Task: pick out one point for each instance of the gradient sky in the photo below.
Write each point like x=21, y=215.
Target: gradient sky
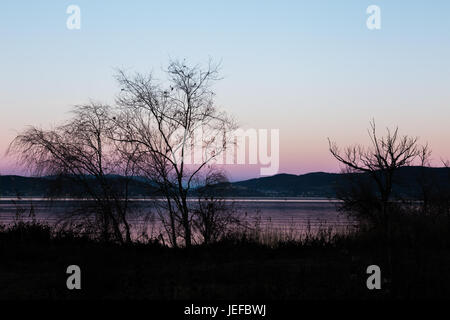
x=309, y=68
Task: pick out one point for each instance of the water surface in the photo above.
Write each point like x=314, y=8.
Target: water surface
x=287, y=215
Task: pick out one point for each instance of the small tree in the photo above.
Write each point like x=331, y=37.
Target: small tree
x=379, y=161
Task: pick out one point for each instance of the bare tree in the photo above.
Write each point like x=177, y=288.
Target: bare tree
x=380, y=161
x=82, y=152
x=163, y=123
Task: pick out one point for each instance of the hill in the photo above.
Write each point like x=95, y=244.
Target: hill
x=316, y=184
x=17, y=186
x=321, y=184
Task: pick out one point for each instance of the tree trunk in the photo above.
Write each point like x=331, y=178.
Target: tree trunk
x=186, y=224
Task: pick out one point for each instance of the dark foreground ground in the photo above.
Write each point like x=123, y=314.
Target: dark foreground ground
x=33, y=266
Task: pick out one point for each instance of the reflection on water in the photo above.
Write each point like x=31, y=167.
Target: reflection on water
x=292, y=214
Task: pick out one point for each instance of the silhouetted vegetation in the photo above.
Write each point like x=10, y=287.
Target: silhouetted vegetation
x=381, y=162
x=151, y=133
x=381, y=187
x=240, y=265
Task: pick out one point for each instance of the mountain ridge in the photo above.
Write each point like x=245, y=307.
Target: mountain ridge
x=312, y=184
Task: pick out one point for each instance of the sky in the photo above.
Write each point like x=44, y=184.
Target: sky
x=311, y=69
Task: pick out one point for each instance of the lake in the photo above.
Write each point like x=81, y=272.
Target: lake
x=294, y=215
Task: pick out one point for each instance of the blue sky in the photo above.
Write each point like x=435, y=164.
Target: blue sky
x=310, y=68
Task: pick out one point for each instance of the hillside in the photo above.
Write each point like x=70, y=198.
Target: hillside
x=320, y=184
x=14, y=186
x=317, y=184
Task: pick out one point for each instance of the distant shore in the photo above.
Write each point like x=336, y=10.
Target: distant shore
x=231, y=199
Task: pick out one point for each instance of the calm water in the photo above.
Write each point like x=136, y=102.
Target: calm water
x=288, y=215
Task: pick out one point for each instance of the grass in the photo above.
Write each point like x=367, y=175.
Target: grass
x=261, y=264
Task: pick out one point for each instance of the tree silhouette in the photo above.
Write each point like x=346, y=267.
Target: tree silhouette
x=162, y=123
